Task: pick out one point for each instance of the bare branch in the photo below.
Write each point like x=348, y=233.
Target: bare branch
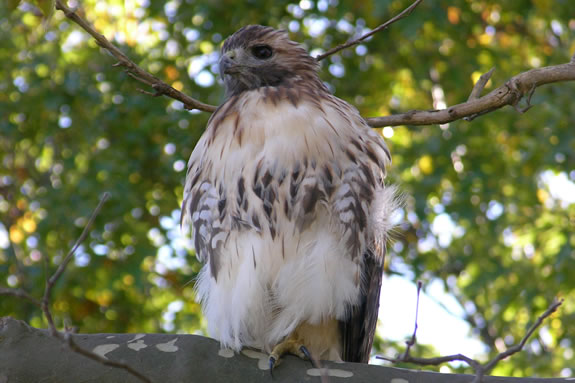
x=480, y=84
x=146, y=92
x=431, y=361
x=66, y=336
x=528, y=101
x=62, y=267
x=20, y=294
x=406, y=12
x=411, y=342
x=476, y=92
x=137, y=72
x=479, y=369
x=509, y=93
x=518, y=347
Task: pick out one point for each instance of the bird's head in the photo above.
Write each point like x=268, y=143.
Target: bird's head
x=257, y=56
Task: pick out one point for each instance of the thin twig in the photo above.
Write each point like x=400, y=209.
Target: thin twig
x=518, y=347
x=123, y=60
x=476, y=92
x=480, y=84
x=479, y=369
x=62, y=267
x=66, y=336
x=406, y=12
x=430, y=361
x=411, y=342
x=528, y=102
x=20, y=294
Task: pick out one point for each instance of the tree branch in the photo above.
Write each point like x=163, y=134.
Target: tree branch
x=62, y=267
x=19, y=293
x=160, y=87
x=406, y=12
x=479, y=369
x=518, y=347
x=66, y=336
x=197, y=359
x=509, y=93
x=411, y=342
x=480, y=84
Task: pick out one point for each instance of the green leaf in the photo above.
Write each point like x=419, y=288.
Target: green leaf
x=47, y=7
x=11, y=5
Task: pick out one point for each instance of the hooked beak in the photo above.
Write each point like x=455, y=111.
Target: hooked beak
x=228, y=64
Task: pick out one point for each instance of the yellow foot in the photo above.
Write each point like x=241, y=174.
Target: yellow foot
x=313, y=342
x=291, y=345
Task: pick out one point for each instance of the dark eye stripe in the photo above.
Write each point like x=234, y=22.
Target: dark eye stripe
x=262, y=52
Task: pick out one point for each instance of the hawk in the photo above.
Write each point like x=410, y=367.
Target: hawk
x=289, y=212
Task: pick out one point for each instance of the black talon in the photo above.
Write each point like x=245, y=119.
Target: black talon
x=307, y=354
x=305, y=351
x=272, y=362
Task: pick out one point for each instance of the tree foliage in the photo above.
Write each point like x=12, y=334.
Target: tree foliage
x=490, y=208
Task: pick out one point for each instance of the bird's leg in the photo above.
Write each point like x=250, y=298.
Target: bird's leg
x=310, y=342
x=293, y=344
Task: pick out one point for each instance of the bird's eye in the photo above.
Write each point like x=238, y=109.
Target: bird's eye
x=262, y=52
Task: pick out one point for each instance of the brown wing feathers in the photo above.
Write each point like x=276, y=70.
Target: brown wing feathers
x=359, y=330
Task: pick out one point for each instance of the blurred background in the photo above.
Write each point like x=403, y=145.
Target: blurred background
x=489, y=221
